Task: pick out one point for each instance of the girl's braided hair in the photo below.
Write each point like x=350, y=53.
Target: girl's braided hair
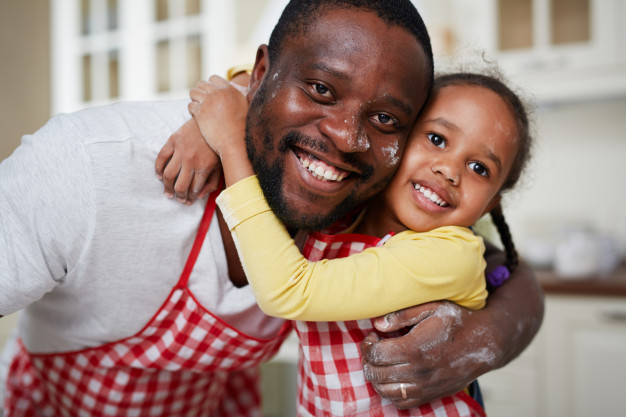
x=521, y=116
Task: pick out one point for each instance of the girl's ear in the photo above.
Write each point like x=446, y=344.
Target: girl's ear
x=493, y=203
x=261, y=66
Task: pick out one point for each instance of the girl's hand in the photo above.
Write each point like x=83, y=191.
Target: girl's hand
x=187, y=166
x=220, y=110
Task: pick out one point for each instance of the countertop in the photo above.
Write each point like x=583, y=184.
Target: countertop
x=613, y=285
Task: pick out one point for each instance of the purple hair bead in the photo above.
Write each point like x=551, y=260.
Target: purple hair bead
x=497, y=277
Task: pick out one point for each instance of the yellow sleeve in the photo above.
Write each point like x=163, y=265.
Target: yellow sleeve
x=238, y=69
x=410, y=269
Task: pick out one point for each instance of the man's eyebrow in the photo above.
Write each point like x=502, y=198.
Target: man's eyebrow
x=331, y=71
x=406, y=108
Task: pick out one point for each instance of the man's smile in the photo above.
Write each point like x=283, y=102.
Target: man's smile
x=320, y=170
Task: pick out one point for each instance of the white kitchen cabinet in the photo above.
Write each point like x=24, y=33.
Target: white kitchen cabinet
x=557, y=50
x=585, y=356
x=512, y=390
x=576, y=366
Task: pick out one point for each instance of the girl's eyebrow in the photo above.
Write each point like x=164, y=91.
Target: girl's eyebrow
x=495, y=159
x=445, y=123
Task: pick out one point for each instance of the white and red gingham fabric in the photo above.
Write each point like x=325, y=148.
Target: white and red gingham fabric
x=184, y=362
x=330, y=375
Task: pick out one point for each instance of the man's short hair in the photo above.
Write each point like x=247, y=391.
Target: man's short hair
x=299, y=15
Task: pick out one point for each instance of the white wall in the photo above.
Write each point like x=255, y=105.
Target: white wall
x=578, y=173
x=24, y=71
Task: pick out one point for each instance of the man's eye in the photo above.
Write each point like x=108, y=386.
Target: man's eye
x=321, y=89
x=479, y=168
x=385, y=123
x=385, y=119
x=437, y=140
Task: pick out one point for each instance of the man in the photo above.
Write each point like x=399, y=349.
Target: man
x=94, y=253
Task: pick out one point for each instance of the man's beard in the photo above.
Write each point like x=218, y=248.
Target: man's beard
x=271, y=177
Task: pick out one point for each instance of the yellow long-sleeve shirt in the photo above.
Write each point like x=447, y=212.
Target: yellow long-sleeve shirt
x=411, y=268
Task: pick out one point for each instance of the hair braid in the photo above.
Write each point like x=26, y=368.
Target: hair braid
x=497, y=217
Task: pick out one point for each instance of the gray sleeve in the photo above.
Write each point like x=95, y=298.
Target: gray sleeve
x=46, y=212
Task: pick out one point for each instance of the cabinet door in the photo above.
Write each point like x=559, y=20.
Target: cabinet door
x=557, y=50
x=564, y=34
x=585, y=361
x=512, y=390
x=538, y=35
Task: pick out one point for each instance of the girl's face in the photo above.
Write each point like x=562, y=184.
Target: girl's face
x=457, y=158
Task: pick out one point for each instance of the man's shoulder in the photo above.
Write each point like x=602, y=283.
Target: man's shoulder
x=124, y=120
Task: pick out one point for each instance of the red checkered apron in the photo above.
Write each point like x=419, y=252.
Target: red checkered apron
x=184, y=362
x=330, y=376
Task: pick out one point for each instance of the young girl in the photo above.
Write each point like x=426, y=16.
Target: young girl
x=411, y=245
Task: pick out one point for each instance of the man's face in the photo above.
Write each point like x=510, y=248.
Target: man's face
x=328, y=124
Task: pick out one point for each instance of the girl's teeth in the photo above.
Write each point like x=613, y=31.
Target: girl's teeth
x=431, y=195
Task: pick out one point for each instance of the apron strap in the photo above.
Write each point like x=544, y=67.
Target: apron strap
x=200, y=235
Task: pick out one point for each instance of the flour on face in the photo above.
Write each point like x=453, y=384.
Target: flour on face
x=391, y=154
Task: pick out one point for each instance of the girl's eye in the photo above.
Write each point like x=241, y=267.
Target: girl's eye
x=479, y=168
x=437, y=140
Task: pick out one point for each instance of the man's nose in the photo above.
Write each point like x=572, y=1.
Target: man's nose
x=346, y=131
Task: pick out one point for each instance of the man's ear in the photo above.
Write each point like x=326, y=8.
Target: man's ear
x=261, y=67
x=493, y=203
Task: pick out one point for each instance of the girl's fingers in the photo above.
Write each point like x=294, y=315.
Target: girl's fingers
x=183, y=181
x=162, y=159
x=198, y=181
x=170, y=173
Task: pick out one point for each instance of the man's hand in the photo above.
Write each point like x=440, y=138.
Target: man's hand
x=187, y=166
x=427, y=359
x=450, y=346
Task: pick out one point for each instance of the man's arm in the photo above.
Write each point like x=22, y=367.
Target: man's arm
x=449, y=346
x=46, y=212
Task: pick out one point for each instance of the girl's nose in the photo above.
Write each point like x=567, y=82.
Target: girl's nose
x=449, y=172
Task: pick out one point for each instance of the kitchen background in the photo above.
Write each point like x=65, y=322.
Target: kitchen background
x=568, y=217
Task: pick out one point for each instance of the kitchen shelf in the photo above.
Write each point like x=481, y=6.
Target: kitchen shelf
x=613, y=285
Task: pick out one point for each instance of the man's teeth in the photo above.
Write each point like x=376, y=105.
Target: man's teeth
x=320, y=173
x=431, y=195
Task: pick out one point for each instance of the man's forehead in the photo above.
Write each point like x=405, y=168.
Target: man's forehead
x=342, y=34
x=338, y=20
